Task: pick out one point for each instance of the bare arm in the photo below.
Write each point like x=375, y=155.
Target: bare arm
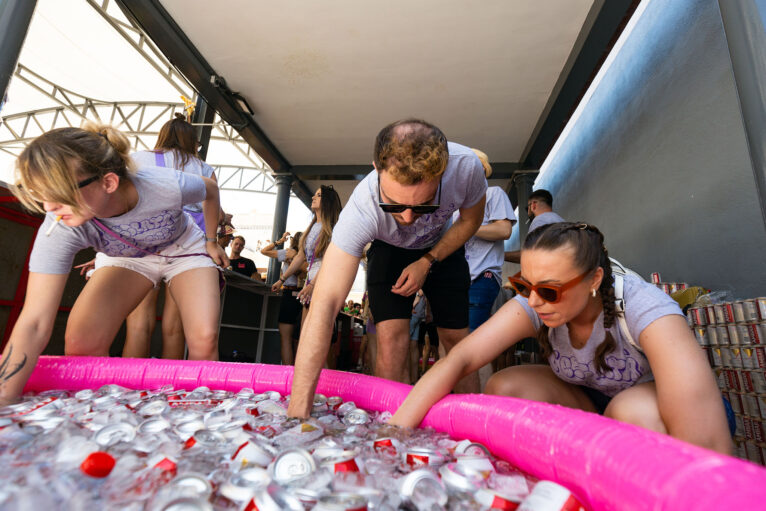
x=30, y=333
x=505, y=328
x=414, y=275
x=495, y=230
x=333, y=284
x=689, y=400
x=295, y=267
x=211, y=209
x=221, y=213
x=513, y=256
x=270, y=250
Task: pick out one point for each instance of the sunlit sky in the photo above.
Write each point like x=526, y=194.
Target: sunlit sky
x=70, y=44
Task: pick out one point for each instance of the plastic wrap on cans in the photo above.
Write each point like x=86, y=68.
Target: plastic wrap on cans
x=549, y=496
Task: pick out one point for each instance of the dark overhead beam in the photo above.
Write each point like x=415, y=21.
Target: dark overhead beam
x=173, y=43
x=602, y=27
x=500, y=170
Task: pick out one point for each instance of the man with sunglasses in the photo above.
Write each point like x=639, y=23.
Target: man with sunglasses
x=403, y=208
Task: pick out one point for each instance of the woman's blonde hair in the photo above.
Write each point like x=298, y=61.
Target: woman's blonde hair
x=484, y=162
x=179, y=136
x=52, y=164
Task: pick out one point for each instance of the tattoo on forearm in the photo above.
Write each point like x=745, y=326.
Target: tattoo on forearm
x=8, y=370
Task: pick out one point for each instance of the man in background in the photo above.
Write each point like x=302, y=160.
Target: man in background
x=540, y=212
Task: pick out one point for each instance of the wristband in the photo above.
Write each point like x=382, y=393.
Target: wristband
x=211, y=239
x=430, y=258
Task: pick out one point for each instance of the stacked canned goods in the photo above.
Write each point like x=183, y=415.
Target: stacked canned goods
x=163, y=450
x=668, y=287
x=733, y=335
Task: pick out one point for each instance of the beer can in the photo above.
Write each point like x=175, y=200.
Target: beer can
x=274, y=498
x=252, y=453
x=656, y=277
x=736, y=357
x=761, y=399
x=748, y=357
x=744, y=334
x=728, y=312
x=733, y=380
x=698, y=315
x=334, y=402
x=747, y=381
x=346, y=461
x=460, y=479
x=738, y=310
x=666, y=287
x=712, y=334
x=192, y=482
x=472, y=448
x=243, y=485
x=423, y=457
x=682, y=285
x=761, y=304
x=700, y=333
x=751, y=310
x=154, y=425
x=723, y=335
x=716, y=356
x=423, y=479
x=758, y=380
x=549, y=496
x=112, y=434
x=733, y=334
x=292, y=464
x=720, y=317
x=753, y=452
x=735, y=401
x=388, y=445
x=186, y=429
x=494, y=499
x=760, y=356
x=750, y=405
x=754, y=333
x=747, y=428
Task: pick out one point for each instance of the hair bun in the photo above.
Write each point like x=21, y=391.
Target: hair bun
x=179, y=115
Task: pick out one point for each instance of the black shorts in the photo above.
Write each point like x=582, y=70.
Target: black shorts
x=289, y=307
x=446, y=286
x=599, y=399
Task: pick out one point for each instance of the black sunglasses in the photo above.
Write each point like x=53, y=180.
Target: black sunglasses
x=87, y=181
x=418, y=209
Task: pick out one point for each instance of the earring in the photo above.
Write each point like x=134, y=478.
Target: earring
x=593, y=293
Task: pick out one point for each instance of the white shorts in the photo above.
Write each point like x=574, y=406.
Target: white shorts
x=160, y=267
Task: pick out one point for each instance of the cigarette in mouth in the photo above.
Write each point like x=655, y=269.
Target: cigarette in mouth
x=53, y=226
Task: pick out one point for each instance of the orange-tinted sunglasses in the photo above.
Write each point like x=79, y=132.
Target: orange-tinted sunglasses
x=550, y=293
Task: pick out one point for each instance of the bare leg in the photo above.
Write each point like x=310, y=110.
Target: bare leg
x=538, y=383
x=197, y=295
x=372, y=351
x=173, y=339
x=286, y=343
x=139, y=326
x=393, y=340
x=449, y=337
x=412, y=360
x=105, y=301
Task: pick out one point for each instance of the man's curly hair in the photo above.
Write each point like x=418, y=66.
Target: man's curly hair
x=412, y=150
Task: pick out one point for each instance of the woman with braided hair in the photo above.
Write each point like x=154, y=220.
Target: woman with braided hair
x=655, y=375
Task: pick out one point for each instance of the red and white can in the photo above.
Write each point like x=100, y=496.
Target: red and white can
x=388, y=445
x=735, y=401
x=760, y=356
x=700, y=333
x=710, y=312
x=549, y=496
x=715, y=355
x=712, y=334
x=492, y=499
x=345, y=462
x=698, y=315
x=733, y=334
x=738, y=310
x=666, y=287
x=761, y=304
x=754, y=332
x=720, y=317
x=422, y=456
x=761, y=398
x=751, y=310
x=723, y=335
x=748, y=357
x=656, y=277
x=728, y=312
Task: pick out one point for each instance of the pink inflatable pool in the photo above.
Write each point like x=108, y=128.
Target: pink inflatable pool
x=608, y=465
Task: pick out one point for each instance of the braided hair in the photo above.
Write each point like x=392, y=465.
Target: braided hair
x=590, y=254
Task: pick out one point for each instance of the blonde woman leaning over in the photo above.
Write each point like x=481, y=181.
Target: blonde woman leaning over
x=94, y=197
x=660, y=380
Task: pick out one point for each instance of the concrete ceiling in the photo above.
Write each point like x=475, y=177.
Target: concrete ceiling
x=324, y=77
